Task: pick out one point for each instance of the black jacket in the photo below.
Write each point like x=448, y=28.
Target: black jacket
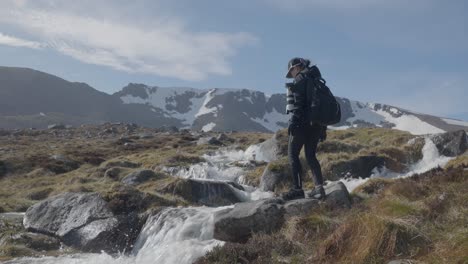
x=297, y=97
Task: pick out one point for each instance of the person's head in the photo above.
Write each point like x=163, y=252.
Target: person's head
x=295, y=66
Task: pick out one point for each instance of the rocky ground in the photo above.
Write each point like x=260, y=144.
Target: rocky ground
x=112, y=177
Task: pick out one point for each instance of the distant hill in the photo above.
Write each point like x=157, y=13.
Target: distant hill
x=30, y=98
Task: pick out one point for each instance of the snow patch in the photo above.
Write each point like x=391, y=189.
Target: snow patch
x=208, y=127
x=455, y=122
x=410, y=123
x=270, y=120
x=203, y=109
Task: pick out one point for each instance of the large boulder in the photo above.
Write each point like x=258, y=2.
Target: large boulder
x=452, y=143
x=275, y=173
x=206, y=192
x=83, y=221
x=238, y=224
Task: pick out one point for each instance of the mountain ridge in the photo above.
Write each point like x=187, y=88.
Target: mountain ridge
x=31, y=98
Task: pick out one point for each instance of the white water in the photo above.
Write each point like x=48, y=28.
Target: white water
x=431, y=159
x=178, y=235
x=224, y=165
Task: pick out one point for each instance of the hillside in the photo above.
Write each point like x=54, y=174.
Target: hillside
x=158, y=194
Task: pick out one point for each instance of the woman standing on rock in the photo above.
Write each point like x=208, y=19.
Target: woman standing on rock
x=301, y=132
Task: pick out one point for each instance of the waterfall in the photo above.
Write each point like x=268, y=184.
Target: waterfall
x=431, y=159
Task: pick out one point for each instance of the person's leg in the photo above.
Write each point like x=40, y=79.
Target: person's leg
x=296, y=141
x=311, y=156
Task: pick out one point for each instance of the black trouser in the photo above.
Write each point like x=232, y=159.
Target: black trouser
x=307, y=136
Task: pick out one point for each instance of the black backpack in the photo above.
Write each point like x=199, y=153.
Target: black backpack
x=323, y=108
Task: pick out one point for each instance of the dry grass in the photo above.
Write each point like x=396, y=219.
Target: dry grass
x=423, y=218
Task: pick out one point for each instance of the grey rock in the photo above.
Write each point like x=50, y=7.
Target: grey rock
x=209, y=193
x=83, y=221
x=300, y=206
x=337, y=195
x=138, y=177
x=270, y=149
x=60, y=214
x=271, y=178
x=238, y=224
x=96, y=235
x=451, y=144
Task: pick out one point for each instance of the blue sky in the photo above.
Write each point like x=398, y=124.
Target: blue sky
x=411, y=54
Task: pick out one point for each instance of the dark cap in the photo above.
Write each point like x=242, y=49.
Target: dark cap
x=296, y=62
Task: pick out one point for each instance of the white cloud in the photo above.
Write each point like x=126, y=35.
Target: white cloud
x=164, y=46
x=17, y=42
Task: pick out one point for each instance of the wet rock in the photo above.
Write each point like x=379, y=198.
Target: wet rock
x=83, y=221
x=209, y=193
x=274, y=174
x=265, y=216
x=238, y=224
x=138, y=177
x=452, y=143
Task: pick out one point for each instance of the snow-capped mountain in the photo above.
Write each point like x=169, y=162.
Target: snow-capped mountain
x=30, y=98
x=241, y=109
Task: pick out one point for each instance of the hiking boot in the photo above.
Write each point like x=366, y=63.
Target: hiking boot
x=293, y=194
x=317, y=193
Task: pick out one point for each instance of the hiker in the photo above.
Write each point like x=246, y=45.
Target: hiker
x=301, y=132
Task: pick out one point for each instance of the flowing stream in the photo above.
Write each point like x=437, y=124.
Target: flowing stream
x=179, y=235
